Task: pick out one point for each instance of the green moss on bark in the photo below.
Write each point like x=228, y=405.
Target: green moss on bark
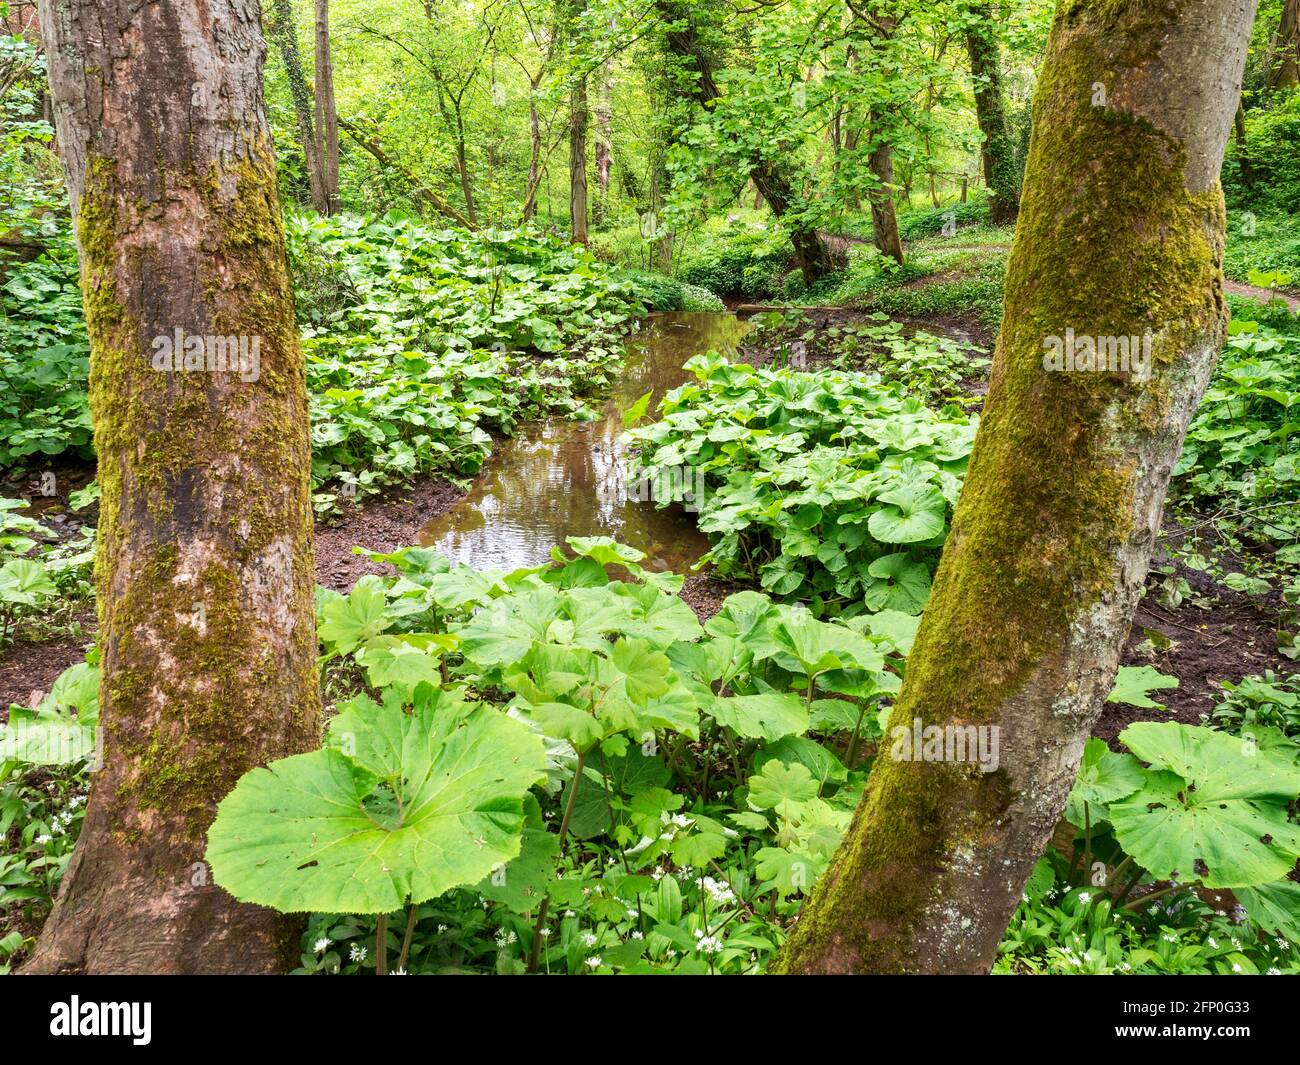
x=1110, y=242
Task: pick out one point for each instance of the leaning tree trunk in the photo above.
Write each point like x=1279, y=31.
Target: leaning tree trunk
x=1120, y=234
x=327, y=115
x=284, y=33
x=813, y=256
x=1283, y=60
x=204, y=569
x=997, y=152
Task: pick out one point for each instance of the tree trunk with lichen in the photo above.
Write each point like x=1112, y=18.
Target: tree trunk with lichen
x=327, y=115
x=281, y=29
x=204, y=569
x=1120, y=234
x=578, y=117
x=884, y=215
x=997, y=152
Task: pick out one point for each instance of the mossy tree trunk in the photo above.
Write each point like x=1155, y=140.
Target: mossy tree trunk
x=204, y=569
x=578, y=199
x=884, y=214
x=997, y=152
x=881, y=23
x=1120, y=233
x=282, y=30
x=327, y=115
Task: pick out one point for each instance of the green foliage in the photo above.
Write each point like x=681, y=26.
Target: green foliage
x=738, y=259
x=662, y=293
x=825, y=486
x=1270, y=176
x=694, y=772
x=1241, y=451
x=420, y=341
x=44, y=360
x=1267, y=701
x=1068, y=930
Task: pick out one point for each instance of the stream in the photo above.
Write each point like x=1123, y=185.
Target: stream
x=561, y=478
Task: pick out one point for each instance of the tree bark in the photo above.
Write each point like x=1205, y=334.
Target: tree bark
x=327, y=116
x=997, y=152
x=882, y=24
x=535, y=153
x=884, y=215
x=578, y=163
x=604, y=149
x=204, y=569
x=1120, y=233
x=1284, y=51
x=285, y=35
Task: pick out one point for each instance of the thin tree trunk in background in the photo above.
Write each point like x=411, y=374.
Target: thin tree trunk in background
x=578, y=163
x=462, y=167
x=535, y=153
x=1283, y=62
x=285, y=35
x=370, y=144
x=1244, y=166
x=884, y=215
x=327, y=116
x=204, y=567
x=997, y=152
x=604, y=137
x=1120, y=234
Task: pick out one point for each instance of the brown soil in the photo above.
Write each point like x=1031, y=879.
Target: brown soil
x=1264, y=295
x=386, y=525
x=1231, y=638
x=28, y=669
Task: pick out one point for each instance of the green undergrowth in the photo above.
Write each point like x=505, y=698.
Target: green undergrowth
x=830, y=487
x=618, y=788
x=420, y=343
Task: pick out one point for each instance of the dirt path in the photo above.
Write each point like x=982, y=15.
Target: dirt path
x=1263, y=294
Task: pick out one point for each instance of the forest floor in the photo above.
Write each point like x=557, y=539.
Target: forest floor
x=1214, y=634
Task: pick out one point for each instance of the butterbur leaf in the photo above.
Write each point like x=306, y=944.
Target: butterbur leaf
x=762, y=717
x=1212, y=807
x=777, y=785
x=1133, y=682
x=51, y=735
x=787, y=872
x=564, y=722
x=320, y=832
x=1103, y=777
x=24, y=581
x=348, y=622
x=912, y=513
x=1274, y=907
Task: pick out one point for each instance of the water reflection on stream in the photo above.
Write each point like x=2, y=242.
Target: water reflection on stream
x=562, y=478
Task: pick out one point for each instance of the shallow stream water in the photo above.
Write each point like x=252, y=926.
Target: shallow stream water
x=563, y=478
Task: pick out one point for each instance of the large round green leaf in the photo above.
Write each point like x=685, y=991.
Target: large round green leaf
x=431, y=800
x=1212, y=808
